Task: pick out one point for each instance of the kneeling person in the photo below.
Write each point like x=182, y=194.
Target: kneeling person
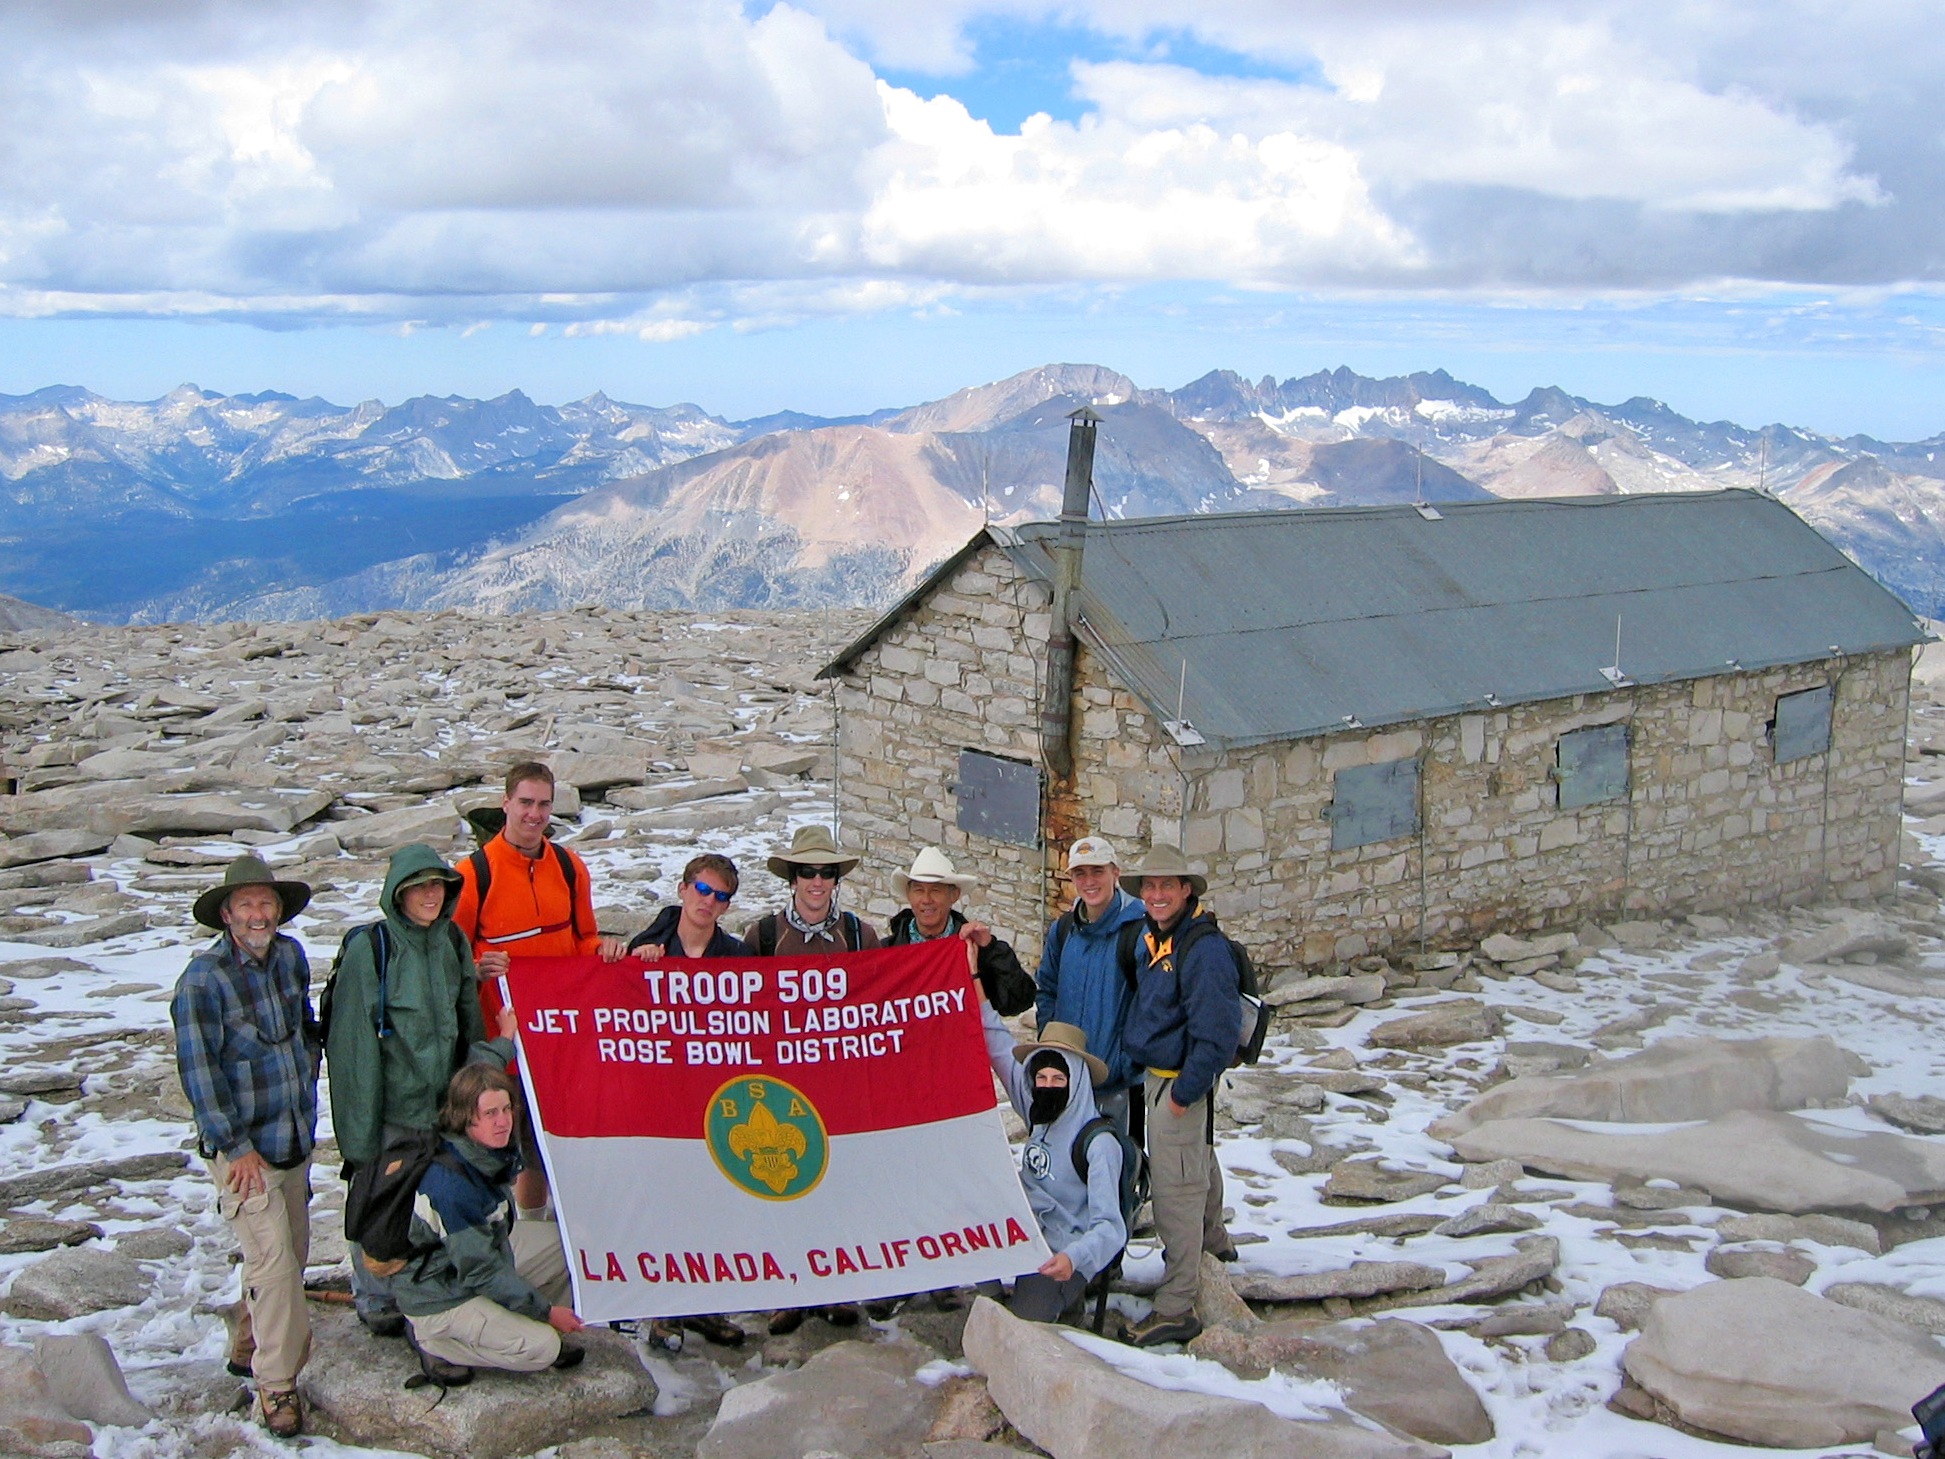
x=1051, y=1084
x=492, y=1293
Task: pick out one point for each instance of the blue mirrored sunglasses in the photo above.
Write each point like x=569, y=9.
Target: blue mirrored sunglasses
x=709, y=891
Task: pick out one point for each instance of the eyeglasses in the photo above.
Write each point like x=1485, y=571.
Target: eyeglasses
x=709, y=891
x=813, y=873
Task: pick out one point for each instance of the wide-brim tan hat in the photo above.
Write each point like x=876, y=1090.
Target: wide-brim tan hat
x=812, y=846
x=930, y=865
x=1163, y=860
x=251, y=871
x=1068, y=1038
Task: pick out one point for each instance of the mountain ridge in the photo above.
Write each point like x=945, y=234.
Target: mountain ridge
x=198, y=504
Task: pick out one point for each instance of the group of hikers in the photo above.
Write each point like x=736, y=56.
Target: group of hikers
x=1137, y=1015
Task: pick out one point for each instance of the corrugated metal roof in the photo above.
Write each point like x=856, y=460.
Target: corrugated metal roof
x=1296, y=623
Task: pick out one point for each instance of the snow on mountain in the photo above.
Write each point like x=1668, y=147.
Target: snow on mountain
x=204, y=505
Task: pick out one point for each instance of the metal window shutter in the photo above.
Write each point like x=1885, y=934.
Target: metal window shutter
x=998, y=799
x=1593, y=765
x=1373, y=803
x=1802, y=724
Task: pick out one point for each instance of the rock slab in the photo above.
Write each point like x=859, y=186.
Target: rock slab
x=358, y=1385
x=857, y=1399
x=85, y=1379
x=1759, y=1159
x=1768, y=1363
x=32, y=1420
x=1075, y=1406
x=1675, y=1079
x=1393, y=1371
x=75, y=1281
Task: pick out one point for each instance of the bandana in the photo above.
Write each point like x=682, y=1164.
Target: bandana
x=827, y=929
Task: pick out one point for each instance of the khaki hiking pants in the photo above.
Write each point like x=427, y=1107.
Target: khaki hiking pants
x=274, y=1229
x=480, y=1333
x=1185, y=1189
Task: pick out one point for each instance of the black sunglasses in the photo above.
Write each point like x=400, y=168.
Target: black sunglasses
x=800, y=872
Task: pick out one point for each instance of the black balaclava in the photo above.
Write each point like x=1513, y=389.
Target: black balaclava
x=1048, y=1104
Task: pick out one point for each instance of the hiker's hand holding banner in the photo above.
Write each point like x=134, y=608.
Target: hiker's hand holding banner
x=729, y=1136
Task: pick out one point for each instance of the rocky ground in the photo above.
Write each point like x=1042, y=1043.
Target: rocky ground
x=1657, y=1188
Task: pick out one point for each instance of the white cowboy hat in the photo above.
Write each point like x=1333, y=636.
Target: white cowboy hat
x=930, y=865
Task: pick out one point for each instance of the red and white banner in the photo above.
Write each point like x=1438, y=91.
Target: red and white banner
x=732, y=1136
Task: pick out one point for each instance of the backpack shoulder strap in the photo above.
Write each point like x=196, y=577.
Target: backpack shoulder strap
x=381, y=957
x=1084, y=1138
x=1127, y=943
x=482, y=873
x=853, y=934
x=766, y=935
x=571, y=874
x=1063, y=929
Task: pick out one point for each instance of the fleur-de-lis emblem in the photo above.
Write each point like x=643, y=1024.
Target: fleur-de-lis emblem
x=771, y=1148
x=767, y=1138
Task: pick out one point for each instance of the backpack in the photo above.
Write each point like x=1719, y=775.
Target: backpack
x=378, y=1206
x=1255, y=1012
x=1127, y=942
x=1134, y=1164
x=1133, y=1193
x=483, y=879
x=381, y=956
x=766, y=932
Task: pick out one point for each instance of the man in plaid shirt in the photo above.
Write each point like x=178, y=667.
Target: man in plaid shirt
x=247, y=1048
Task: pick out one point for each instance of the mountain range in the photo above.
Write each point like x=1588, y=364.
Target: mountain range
x=200, y=505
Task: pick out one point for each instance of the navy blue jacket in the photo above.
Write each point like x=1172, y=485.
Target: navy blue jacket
x=1185, y=1018
x=661, y=933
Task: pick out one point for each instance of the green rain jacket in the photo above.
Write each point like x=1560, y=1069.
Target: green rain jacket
x=432, y=1008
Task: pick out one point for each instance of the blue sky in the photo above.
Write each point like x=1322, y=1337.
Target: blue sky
x=846, y=204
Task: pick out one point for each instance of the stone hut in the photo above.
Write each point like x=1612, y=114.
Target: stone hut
x=1394, y=727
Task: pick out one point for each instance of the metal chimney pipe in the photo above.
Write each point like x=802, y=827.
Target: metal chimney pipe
x=1057, y=706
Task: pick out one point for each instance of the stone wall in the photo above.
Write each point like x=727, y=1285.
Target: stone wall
x=1709, y=821
x=961, y=672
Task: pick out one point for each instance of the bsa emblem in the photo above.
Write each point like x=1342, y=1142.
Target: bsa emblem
x=767, y=1138
x=1037, y=1161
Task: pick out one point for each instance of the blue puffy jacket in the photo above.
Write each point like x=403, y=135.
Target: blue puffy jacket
x=1087, y=988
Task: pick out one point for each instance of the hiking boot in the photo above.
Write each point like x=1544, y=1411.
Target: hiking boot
x=438, y=1370
x=283, y=1412
x=665, y=1334
x=719, y=1330
x=570, y=1356
x=880, y=1311
x=947, y=1299
x=1226, y=1255
x=840, y=1314
x=386, y=1322
x=785, y=1320
x=1155, y=1329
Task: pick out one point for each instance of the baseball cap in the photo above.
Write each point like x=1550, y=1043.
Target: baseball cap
x=1092, y=851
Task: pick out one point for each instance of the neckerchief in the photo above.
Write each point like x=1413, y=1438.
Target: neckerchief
x=827, y=929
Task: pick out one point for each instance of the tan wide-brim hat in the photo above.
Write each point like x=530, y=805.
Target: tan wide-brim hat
x=251, y=871
x=1163, y=860
x=1068, y=1038
x=930, y=865
x=812, y=846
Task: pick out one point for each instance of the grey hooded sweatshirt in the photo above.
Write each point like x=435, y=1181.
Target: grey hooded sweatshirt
x=1080, y=1218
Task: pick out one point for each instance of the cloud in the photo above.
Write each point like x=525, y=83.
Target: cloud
x=1117, y=198
x=651, y=167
